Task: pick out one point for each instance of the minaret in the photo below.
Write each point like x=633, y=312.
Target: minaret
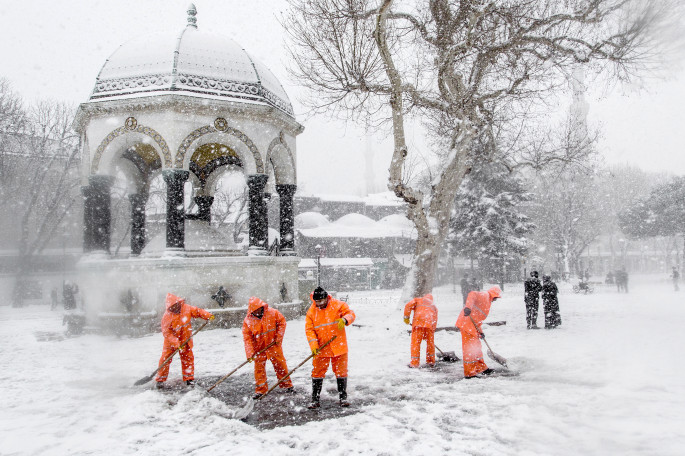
x=579, y=106
x=192, y=12
x=368, y=161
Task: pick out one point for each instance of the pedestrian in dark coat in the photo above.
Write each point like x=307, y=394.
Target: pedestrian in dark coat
x=475, y=284
x=675, y=275
x=465, y=288
x=69, y=291
x=550, y=303
x=622, y=280
x=532, y=288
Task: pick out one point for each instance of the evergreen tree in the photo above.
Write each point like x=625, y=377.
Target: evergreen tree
x=488, y=222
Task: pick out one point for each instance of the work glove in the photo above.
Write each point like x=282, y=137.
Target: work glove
x=406, y=320
x=467, y=311
x=481, y=335
x=315, y=351
x=341, y=323
x=250, y=359
x=212, y=317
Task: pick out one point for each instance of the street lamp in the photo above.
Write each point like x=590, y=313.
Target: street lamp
x=318, y=264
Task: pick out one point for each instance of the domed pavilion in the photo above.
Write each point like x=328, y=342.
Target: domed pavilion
x=189, y=106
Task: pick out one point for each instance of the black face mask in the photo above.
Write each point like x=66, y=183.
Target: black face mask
x=259, y=313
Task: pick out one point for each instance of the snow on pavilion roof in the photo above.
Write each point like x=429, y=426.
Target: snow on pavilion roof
x=359, y=226
x=193, y=62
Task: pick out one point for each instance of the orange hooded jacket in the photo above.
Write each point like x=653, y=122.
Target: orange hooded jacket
x=479, y=302
x=425, y=312
x=177, y=328
x=258, y=333
x=321, y=325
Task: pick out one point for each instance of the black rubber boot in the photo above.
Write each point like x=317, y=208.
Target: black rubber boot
x=342, y=392
x=317, y=385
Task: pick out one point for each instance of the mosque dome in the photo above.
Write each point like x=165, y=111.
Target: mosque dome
x=192, y=62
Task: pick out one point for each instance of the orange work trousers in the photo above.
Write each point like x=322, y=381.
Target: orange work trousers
x=417, y=335
x=275, y=355
x=320, y=366
x=473, y=355
x=187, y=363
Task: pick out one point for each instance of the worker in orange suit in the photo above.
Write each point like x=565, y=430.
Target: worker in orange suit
x=470, y=324
x=327, y=317
x=176, y=329
x=422, y=328
x=262, y=326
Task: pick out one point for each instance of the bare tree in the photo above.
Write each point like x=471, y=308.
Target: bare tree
x=463, y=67
x=39, y=163
x=230, y=210
x=569, y=213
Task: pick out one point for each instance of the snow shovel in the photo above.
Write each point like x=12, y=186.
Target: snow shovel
x=247, y=409
x=494, y=356
x=246, y=361
x=448, y=357
x=149, y=377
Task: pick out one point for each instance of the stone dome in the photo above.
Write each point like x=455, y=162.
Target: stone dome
x=191, y=62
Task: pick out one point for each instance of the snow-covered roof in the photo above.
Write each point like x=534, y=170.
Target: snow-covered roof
x=383, y=199
x=336, y=197
x=307, y=220
x=306, y=263
x=355, y=219
x=360, y=226
x=193, y=62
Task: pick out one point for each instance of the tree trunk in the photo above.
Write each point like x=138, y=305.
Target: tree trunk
x=423, y=268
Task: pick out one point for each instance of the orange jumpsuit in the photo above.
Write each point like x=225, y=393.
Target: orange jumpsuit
x=479, y=302
x=257, y=334
x=177, y=328
x=320, y=326
x=422, y=328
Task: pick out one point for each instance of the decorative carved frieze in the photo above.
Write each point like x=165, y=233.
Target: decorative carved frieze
x=193, y=83
x=192, y=137
x=147, y=131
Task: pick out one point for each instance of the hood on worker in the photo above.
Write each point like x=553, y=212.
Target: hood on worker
x=255, y=303
x=428, y=298
x=495, y=292
x=172, y=299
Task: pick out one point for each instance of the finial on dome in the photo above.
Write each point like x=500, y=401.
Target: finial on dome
x=192, y=12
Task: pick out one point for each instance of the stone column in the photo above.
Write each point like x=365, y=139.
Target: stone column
x=287, y=228
x=96, y=214
x=259, y=225
x=204, y=208
x=175, y=211
x=138, y=201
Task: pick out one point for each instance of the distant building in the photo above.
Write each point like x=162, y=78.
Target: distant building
x=354, y=251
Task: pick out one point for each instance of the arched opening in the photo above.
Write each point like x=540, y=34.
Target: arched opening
x=230, y=209
x=132, y=174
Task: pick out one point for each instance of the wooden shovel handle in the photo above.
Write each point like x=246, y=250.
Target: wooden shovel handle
x=245, y=362
x=297, y=367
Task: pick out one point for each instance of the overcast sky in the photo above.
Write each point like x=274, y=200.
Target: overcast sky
x=55, y=49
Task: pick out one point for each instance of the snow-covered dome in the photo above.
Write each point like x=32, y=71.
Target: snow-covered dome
x=192, y=62
x=355, y=219
x=307, y=220
x=398, y=220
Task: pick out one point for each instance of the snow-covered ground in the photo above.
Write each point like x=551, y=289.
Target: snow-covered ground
x=608, y=381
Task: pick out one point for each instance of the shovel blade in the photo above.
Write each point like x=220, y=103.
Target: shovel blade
x=143, y=380
x=245, y=411
x=498, y=358
x=449, y=357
